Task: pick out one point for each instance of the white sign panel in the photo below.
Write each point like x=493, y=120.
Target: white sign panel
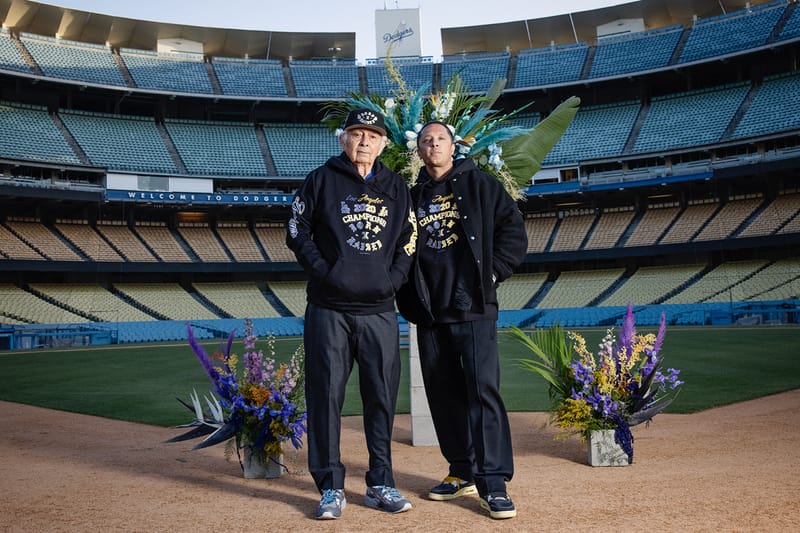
x=398, y=29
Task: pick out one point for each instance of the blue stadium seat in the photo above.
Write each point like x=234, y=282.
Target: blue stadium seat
x=72, y=60
x=733, y=32
x=250, y=77
x=538, y=67
x=167, y=72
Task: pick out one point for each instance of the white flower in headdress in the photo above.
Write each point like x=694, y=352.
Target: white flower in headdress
x=442, y=106
x=411, y=136
x=389, y=104
x=495, y=151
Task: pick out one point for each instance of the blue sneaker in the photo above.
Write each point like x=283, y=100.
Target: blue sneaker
x=331, y=504
x=499, y=505
x=450, y=488
x=386, y=499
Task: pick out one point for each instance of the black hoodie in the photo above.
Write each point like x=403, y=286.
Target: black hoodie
x=354, y=238
x=491, y=233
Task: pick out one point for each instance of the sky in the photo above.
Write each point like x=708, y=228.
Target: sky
x=356, y=16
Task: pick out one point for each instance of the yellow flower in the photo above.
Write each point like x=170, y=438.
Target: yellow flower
x=573, y=414
x=259, y=395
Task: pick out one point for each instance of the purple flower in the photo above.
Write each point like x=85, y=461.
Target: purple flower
x=672, y=378
x=583, y=375
x=627, y=332
x=205, y=362
x=662, y=330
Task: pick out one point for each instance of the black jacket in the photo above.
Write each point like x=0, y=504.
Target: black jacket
x=494, y=230
x=354, y=238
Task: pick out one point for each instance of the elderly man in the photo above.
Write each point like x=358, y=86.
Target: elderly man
x=471, y=236
x=353, y=231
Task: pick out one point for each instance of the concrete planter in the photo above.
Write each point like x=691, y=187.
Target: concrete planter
x=603, y=451
x=257, y=465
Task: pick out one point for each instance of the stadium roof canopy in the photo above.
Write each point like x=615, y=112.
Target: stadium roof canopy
x=119, y=32
x=74, y=25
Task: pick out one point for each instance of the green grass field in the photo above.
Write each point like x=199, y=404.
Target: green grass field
x=140, y=383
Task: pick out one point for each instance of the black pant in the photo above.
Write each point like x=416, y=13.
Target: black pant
x=461, y=371
x=333, y=341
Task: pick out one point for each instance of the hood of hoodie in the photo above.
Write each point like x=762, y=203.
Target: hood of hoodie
x=459, y=165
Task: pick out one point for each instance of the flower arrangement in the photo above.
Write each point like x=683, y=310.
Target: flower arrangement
x=262, y=406
x=511, y=153
x=620, y=386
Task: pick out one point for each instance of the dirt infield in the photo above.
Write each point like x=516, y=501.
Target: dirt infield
x=733, y=468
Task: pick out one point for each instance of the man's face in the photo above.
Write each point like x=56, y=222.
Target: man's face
x=435, y=146
x=362, y=146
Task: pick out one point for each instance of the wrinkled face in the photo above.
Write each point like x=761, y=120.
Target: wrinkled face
x=362, y=146
x=435, y=147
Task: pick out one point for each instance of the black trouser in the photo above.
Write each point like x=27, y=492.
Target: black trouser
x=461, y=370
x=333, y=341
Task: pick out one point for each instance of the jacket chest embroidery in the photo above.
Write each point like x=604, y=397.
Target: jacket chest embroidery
x=438, y=220
x=363, y=218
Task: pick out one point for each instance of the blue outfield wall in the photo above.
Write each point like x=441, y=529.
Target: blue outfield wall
x=31, y=336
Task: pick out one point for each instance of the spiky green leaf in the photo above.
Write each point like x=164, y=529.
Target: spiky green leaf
x=524, y=154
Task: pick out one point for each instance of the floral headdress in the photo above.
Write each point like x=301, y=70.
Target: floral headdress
x=511, y=153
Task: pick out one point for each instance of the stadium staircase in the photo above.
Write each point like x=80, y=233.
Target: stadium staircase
x=123, y=69
x=787, y=13
x=205, y=302
x=143, y=308
x=743, y=107
x=27, y=55
x=589, y=232
x=59, y=304
x=436, y=81
x=630, y=229
x=586, y=70
x=289, y=81
x=363, y=85
x=60, y=236
x=676, y=54
x=171, y=149
x=738, y=282
x=222, y=243
x=706, y=223
x=637, y=127
x=212, y=77
x=113, y=246
x=258, y=242
x=185, y=245
x=538, y=295
x=750, y=218
x=552, y=236
x=689, y=282
x=512, y=68
x=145, y=244
x=613, y=287
x=274, y=301
x=70, y=139
x=266, y=153
x=674, y=221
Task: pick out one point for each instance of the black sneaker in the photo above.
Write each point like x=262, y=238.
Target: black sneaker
x=331, y=504
x=450, y=488
x=386, y=499
x=499, y=505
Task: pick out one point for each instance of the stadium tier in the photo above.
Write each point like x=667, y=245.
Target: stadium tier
x=633, y=52
x=140, y=144
x=145, y=190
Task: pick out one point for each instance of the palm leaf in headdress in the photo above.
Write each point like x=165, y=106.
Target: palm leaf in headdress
x=524, y=154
